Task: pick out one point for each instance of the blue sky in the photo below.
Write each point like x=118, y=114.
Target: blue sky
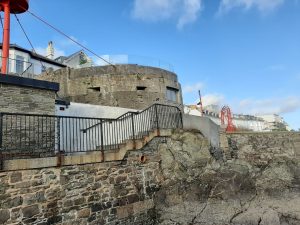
x=244, y=53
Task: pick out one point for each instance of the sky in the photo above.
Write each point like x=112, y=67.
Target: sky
x=241, y=53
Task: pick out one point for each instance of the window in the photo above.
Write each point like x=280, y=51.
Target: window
x=19, y=64
x=94, y=89
x=171, y=94
x=44, y=68
x=140, y=88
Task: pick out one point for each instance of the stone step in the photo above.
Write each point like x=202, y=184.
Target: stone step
x=111, y=147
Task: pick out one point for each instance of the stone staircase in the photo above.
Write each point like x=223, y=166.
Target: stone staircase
x=116, y=154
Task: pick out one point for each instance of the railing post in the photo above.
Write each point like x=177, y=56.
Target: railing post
x=58, y=134
x=1, y=133
x=181, y=119
x=60, y=152
x=157, y=120
x=102, y=139
x=133, y=131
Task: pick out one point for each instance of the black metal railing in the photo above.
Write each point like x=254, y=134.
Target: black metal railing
x=33, y=135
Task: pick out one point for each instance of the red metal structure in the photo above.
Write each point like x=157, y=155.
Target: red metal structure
x=8, y=7
x=227, y=116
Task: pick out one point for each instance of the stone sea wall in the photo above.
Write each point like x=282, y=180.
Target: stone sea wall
x=184, y=181
x=104, y=193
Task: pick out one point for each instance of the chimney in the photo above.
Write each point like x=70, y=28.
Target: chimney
x=50, y=50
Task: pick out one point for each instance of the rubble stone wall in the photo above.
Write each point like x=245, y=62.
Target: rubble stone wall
x=16, y=99
x=30, y=131
x=104, y=193
x=184, y=181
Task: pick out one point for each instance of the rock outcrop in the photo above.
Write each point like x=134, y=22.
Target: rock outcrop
x=258, y=185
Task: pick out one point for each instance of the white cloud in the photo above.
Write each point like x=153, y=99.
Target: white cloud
x=268, y=106
x=43, y=51
x=210, y=99
x=184, y=11
x=249, y=106
x=192, y=88
x=190, y=13
x=154, y=10
x=263, y=6
x=213, y=99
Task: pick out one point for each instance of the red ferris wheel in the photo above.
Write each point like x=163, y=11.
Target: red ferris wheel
x=226, y=119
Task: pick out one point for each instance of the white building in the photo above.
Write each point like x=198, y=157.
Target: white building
x=77, y=60
x=241, y=122
x=26, y=63
x=275, y=122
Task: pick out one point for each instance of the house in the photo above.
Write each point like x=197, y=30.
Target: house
x=76, y=61
x=26, y=63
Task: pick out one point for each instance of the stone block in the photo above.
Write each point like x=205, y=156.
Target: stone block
x=30, y=211
x=4, y=215
x=15, y=177
x=54, y=219
x=12, y=202
x=84, y=213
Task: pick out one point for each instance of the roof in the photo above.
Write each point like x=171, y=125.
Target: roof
x=68, y=58
x=60, y=59
x=28, y=82
x=35, y=55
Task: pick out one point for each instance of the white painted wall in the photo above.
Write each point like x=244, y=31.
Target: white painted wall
x=85, y=134
x=205, y=125
x=93, y=111
x=90, y=139
x=34, y=69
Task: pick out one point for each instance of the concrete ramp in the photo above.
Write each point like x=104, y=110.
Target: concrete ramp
x=205, y=125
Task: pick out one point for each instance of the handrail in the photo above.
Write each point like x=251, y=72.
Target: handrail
x=78, y=117
x=39, y=135
x=129, y=113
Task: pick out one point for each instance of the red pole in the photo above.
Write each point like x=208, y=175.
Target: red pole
x=6, y=31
